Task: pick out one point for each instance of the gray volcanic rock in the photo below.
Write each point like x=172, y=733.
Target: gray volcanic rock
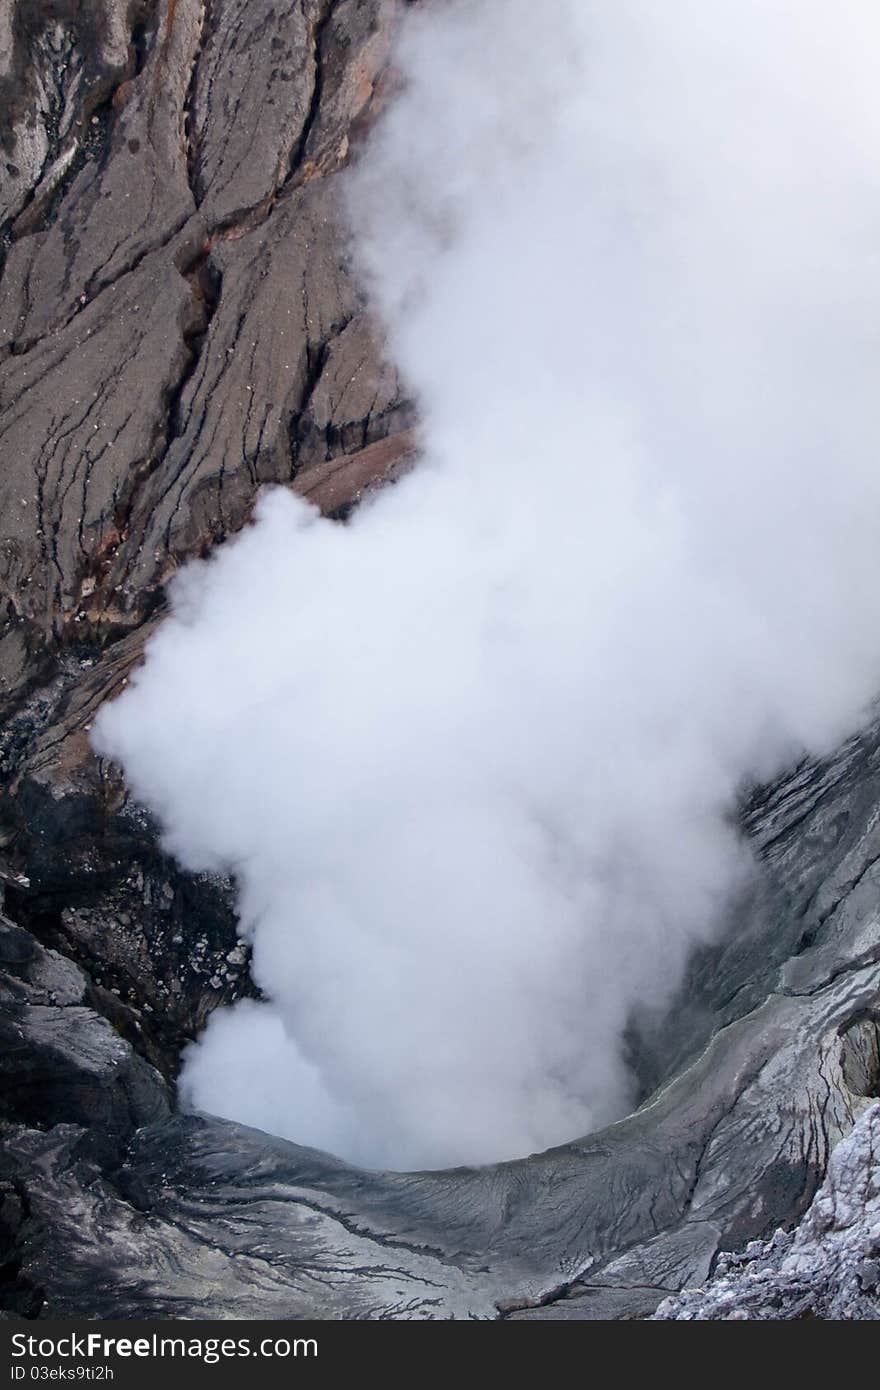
x=829, y=1267
x=59, y=1059
x=180, y=324
x=59, y=60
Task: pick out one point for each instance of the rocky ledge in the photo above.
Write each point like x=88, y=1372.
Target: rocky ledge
x=179, y=324
x=828, y=1267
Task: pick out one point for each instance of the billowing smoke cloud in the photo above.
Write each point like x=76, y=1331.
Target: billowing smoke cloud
x=473, y=756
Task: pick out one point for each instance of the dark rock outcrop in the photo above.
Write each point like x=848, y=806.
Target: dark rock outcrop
x=179, y=324
x=61, y=1060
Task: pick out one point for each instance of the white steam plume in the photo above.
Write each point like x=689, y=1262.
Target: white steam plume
x=472, y=756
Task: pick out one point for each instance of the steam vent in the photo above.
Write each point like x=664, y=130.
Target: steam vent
x=439, y=645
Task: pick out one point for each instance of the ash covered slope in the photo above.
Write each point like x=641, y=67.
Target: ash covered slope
x=177, y=322
x=178, y=326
